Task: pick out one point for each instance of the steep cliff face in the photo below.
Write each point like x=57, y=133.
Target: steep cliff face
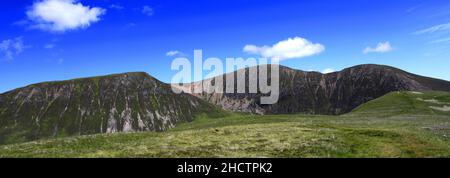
x=117, y=103
x=334, y=93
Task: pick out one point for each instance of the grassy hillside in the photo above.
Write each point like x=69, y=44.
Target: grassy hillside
x=400, y=124
x=407, y=103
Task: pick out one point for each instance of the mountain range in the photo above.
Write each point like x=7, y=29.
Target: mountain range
x=133, y=102
x=333, y=93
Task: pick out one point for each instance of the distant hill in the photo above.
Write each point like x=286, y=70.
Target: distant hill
x=333, y=93
x=406, y=103
x=127, y=102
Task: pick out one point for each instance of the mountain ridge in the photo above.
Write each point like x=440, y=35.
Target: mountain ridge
x=136, y=101
x=127, y=102
x=317, y=93
x=84, y=78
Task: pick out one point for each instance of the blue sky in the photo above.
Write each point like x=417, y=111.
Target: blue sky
x=81, y=38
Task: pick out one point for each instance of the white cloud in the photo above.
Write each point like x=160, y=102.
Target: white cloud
x=62, y=15
x=11, y=47
x=129, y=26
x=116, y=7
x=22, y=22
x=147, y=10
x=382, y=47
x=411, y=9
x=436, y=28
x=328, y=70
x=49, y=46
x=174, y=53
x=441, y=40
x=287, y=49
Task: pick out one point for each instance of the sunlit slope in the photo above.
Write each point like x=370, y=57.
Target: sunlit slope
x=400, y=124
x=407, y=103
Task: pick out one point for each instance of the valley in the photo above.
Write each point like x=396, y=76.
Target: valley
x=399, y=124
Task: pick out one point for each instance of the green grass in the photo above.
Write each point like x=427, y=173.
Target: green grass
x=396, y=103
x=400, y=124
